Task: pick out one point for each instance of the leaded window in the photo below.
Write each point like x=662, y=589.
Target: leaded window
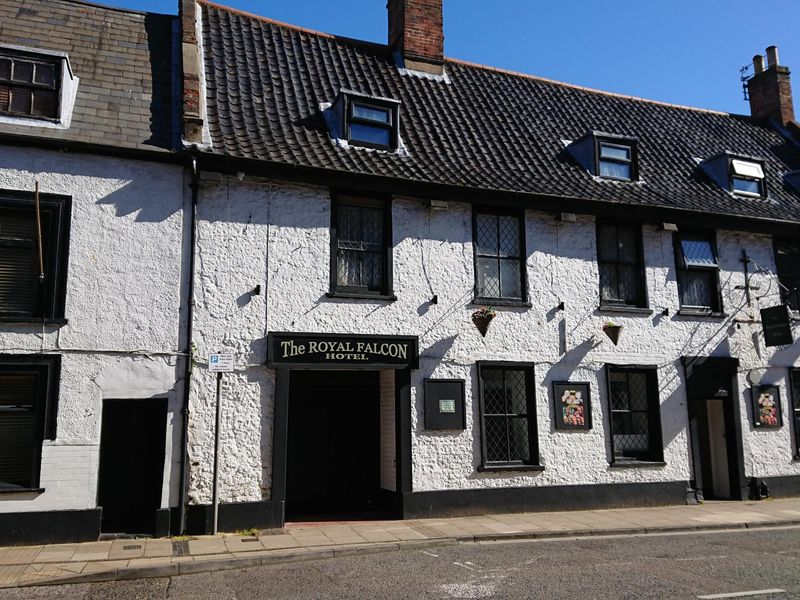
x=698, y=272
x=635, y=414
x=499, y=256
x=29, y=87
x=27, y=416
x=619, y=255
x=795, y=381
x=508, y=415
x=787, y=261
x=360, y=246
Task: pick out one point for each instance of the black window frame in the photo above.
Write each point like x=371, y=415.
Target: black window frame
x=339, y=199
x=519, y=214
x=393, y=109
x=532, y=462
x=629, y=144
x=643, y=300
x=55, y=213
x=47, y=369
x=732, y=177
x=791, y=280
x=681, y=267
x=794, y=398
x=34, y=59
x=655, y=453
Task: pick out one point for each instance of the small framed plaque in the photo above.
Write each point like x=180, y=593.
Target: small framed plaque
x=572, y=406
x=767, y=407
x=444, y=404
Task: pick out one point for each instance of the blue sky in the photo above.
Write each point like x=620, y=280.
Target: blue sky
x=682, y=51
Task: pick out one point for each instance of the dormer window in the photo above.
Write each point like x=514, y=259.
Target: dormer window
x=614, y=161
x=747, y=178
x=29, y=87
x=365, y=121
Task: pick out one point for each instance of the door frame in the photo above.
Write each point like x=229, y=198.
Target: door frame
x=715, y=378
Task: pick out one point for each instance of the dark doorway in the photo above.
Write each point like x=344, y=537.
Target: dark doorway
x=333, y=458
x=131, y=464
x=712, y=440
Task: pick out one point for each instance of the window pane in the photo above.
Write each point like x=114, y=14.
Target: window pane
x=637, y=386
x=697, y=289
x=372, y=270
x=750, y=186
x=787, y=256
x=372, y=226
x=488, y=278
x=516, y=396
x=496, y=439
x=17, y=429
x=607, y=242
x=348, y=268
x=373, y=114
x=23, y=71
x=5, y=96
x=486, y=226
x=45, y=104
x=628, y=248
x=628, y=284
x=494, y=402
x=615, y=169
x=609, y=288
x=619, y=392
x=519, y=442
x=747, y=169
x=45, y=74
x=359, y=132
x=5, y=68
x=698, y=253
x=510, y=282
x=618, y=152
x=20, y=100
x=508, y=234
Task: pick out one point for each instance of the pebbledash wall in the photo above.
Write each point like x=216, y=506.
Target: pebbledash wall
x=124, y=306
x=277, y=235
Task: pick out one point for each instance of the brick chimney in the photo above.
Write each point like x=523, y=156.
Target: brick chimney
x=192, y=103
x=416, y=32
x=770, y=90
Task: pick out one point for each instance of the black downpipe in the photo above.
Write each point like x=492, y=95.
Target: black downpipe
x=187, y=379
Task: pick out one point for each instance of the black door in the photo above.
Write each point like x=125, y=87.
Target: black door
x=131, y=464
x=333, y=458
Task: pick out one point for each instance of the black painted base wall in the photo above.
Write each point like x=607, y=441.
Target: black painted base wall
x=50, y=527
x=235, y=516
x=783, y=487
x=452, y=503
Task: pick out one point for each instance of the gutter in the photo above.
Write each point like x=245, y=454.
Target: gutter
x=187, y=378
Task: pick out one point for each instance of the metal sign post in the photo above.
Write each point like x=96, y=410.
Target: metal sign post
x=218, y=363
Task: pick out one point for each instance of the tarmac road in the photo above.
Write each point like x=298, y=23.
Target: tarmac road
x=653, y=566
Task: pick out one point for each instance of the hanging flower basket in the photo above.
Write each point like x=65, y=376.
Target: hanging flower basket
x=482, y=317
x=612, y=330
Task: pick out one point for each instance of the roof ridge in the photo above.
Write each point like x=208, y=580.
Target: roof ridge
x=584, y=88
x=121, y=9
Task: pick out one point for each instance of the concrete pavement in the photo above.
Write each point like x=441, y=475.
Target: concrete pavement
x=140, y=558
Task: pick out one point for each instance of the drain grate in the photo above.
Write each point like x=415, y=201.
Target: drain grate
x=180, y=548
x=249, y=540
x=132, y=547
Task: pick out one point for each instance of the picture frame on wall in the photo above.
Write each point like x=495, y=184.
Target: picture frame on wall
x=767, y=407
x=572, y=405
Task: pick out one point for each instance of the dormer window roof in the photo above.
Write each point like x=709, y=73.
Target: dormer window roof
x=367, y=121
x=607, y=155
x=738, y=174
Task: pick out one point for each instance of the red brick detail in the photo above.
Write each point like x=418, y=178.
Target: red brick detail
x=416, y=29
x=771, y=95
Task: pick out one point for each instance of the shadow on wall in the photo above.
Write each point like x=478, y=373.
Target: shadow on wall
x=164, y=125
x=136, y=197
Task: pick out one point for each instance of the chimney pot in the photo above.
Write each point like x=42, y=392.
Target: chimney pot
x=772, y=56
x=758, y=64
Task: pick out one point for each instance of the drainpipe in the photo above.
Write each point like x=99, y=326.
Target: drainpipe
x=187, y=379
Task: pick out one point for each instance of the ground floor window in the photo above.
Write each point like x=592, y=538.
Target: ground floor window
x=27, y=416
x=635, y=414
x=508, y=415
x=795, y=400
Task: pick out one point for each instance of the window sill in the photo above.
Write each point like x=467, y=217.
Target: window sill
x=506, y=468
x=500, y=302
x=688, y=312
x=355, y=296
x=637, y=464
x=21, y=491
x=636, y=310
x=33, y=321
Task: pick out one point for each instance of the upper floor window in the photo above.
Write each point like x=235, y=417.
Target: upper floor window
x=795, y=381
x=635, y=414
x=615, y=161
x=747, y=177
x=365, y=120
x=360, y=237
x=28, y=391
x=32, y=265
x=787, y=261
x=698, y=272
x=29, y=87
x=499, y=256
x=619, y=257
x=607, y=155
x=508, y=415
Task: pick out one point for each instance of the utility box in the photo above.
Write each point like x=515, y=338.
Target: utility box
x=444, y=404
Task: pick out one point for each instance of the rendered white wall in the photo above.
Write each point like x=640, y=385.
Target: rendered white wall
x=277, y=234
x=123, y=303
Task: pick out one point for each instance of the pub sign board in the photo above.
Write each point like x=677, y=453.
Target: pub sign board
x=324, y=350
x=777, y=325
